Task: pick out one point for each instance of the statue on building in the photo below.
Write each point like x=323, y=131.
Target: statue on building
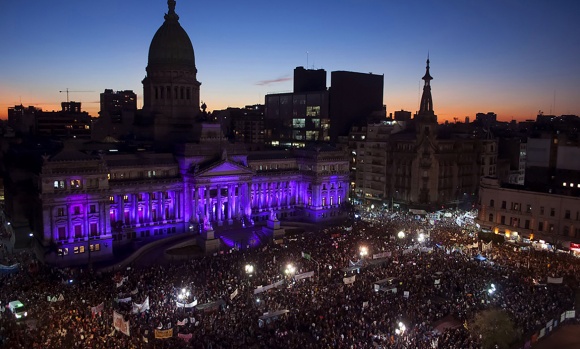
x=207, y=225
x=273, y=216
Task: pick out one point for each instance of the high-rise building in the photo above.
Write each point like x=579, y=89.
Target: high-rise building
x=308, y=80
x=23, y=119
x=353, y=97
x=117, y=114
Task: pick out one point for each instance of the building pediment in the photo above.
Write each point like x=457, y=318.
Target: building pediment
x=223, y=168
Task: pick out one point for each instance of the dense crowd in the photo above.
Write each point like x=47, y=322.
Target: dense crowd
x=440, y=274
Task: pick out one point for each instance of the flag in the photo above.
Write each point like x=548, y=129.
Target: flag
x=120, y=324
x=99, y=308
x=305, y=255
x=139, y=308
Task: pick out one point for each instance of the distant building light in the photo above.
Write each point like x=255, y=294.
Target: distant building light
x=571, y=184
x=564, y=184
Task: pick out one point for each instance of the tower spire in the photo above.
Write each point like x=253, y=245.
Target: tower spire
x=171, y=13
x=426, y=99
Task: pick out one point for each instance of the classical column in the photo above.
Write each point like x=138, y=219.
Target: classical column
x=230, y=202
x=69, y=231
x=207, y=202
x=288, y=194
x=195, y=204
x=219, y=203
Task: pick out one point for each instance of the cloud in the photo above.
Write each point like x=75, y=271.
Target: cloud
x=273, y=81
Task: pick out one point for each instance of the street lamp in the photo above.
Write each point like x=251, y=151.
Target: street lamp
x=421, y=237
x=363, y=251
x=401, y=234
x=249, y=269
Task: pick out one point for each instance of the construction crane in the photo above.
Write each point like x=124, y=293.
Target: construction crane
x=67, y=92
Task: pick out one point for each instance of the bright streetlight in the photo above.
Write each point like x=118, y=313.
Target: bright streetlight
x=249, y=268
x=421, y=237
x=401, y=235
x=290, y=269
x=363, y=251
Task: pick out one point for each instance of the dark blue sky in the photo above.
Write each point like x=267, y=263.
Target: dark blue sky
x=508, y=56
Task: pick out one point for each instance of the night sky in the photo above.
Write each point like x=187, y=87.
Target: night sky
x=513, y=57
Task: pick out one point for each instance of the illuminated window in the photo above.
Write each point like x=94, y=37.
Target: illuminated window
x=59, y=184
x=331, y=200
x=339, y=199
x=298, y=123
x=108, y=176
x=150, y=174
x=75, y=183
x=79, y=249
x=63, y=251
x=310, y=201
x=111, y=199
x=95, y=247
x=126, y=198
x=564, y=184
x=324, y=201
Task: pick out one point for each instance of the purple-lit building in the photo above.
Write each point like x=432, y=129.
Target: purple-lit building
x=92, y=202
x=91, y=205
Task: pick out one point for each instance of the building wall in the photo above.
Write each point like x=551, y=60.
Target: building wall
x=537, y=215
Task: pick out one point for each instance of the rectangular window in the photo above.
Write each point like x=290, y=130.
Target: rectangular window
x=93, y=228
x=552, y=212
x=95, y=247
x=503, y=204
x=60, y=211
x=61, y=233
x=541, y=226
x=78, y=231
x=502, y=219
x=79, y=249
x=150, y=174
x=75, y=183
x=542, y=210
x=93, y=209
x=567, y=214
x=77, y=210
x=59, y=184
x=125, y=198
x=527, y=224
x=528, y=208
x=63, y=251
x=112, y=199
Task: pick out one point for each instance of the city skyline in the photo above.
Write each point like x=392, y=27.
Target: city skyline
x=511, y=58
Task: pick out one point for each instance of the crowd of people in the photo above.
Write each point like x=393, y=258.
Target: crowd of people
x=435, y=276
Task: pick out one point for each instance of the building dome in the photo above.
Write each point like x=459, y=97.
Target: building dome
x=171, y=46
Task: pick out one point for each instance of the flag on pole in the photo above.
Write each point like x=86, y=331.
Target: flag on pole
x=306, y=255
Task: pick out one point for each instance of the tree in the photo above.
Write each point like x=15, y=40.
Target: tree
x=494, y=328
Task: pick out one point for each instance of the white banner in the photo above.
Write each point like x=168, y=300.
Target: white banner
x=365, y=305
x=552, y=280
x=349, y=280
x=182, y=322
x=124, y=300
x=438, y=282
x=426, y=249
x=120, y=324
x=382, y=255
x=186, y=305
x=139, y=308
x=570, y=314
x=266, y=288
x=304, y=275
x=234, y=294
x=406, y=294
